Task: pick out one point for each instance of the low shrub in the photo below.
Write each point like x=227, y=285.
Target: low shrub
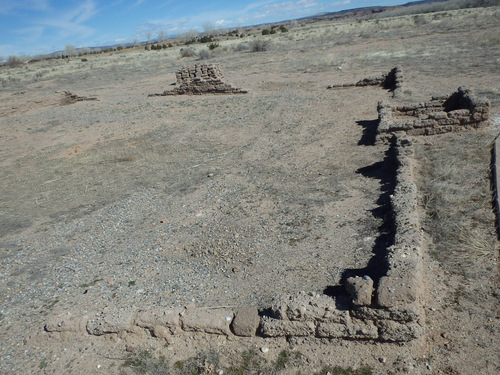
x=259, y=45
x=213, y=46
x=188, y=52
x=204, y=54
x=14, y=61
x=206, y=39
x=241, y=47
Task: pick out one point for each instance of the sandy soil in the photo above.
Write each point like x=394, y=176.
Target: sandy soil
x=227, y=200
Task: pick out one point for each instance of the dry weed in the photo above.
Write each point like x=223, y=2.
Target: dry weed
x=456, y=196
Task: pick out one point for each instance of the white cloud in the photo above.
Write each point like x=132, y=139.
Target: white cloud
x=222, y=23
x=71, y=22
x=287, y=7
x=339, y=3
x=9, y=6
x=81, y=13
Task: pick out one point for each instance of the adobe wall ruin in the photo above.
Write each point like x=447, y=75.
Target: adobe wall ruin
x=201, y=79
x=390, y=311
x=392, y=81
x=459, y=111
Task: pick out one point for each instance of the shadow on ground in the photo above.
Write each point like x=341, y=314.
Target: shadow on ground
x=385, y=172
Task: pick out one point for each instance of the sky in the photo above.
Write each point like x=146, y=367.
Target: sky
x=32, y=27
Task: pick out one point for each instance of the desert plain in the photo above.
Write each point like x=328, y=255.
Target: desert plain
x=133, y=201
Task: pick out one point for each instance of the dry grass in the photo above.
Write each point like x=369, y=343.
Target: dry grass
x=455, y=192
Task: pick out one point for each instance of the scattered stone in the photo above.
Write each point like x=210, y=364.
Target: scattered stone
x=264, y=350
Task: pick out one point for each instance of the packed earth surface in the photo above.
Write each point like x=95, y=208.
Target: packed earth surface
x=131, y=201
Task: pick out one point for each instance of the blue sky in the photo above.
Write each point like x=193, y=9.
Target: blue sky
x=31, y=27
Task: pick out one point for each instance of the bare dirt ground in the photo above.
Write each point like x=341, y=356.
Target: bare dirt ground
x=230, y=200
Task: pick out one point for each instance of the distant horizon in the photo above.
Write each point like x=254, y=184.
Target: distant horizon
x=39, y=27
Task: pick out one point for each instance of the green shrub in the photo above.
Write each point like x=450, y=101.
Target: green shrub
x=205, y=39
x=213, y=46
x=283, y=29
x=266, y=32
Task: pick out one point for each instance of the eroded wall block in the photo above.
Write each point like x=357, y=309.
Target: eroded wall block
x=201, y=79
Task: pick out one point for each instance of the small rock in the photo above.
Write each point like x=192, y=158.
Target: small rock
x=382, y=359
x=264, y=350
x=131, y=349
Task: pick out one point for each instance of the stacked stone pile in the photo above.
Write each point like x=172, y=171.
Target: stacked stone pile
x=201, y=79
x=461, y=110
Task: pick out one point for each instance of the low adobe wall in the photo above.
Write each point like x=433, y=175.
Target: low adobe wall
x=462, y=110
x=390, y=311
x=392, y=81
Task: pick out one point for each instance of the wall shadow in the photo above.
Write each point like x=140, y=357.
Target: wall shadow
x=369, y=132
x=385, y=172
